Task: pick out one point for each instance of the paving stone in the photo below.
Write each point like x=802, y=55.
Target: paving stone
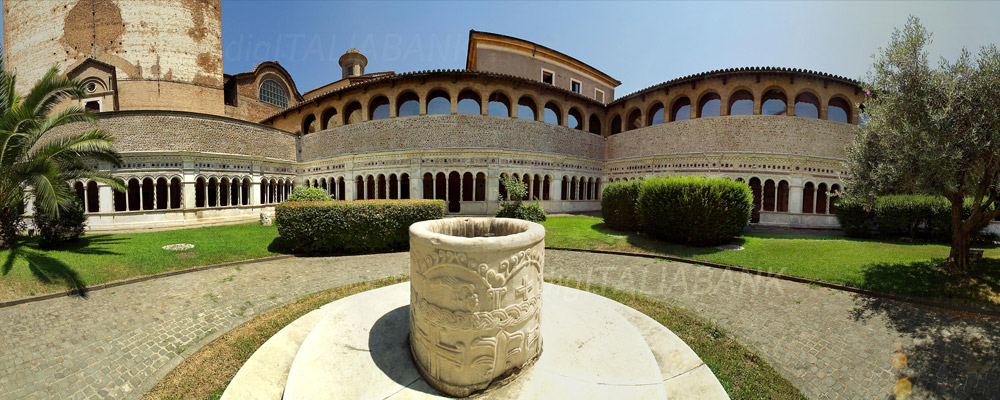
x=104, y=341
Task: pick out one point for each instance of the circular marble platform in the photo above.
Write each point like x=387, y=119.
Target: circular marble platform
x=357, y=348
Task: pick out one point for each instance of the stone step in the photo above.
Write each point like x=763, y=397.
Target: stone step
x=263, y=376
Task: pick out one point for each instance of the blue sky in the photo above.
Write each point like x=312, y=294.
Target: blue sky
x=639, y=43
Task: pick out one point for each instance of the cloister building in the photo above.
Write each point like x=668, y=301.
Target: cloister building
x=203, y=147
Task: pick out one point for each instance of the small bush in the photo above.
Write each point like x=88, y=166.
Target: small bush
x=69, y=225
x=515, y=208
x=531, y=212
x=694, y=210
x=855, y=217
x=352, y=227
x=303, y=193
x=618, y=203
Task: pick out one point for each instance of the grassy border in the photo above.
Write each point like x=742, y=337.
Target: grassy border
x=206, y=373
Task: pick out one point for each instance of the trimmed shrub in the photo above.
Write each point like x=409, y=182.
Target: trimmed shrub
x=363, y=226
x=855, y=217
x=69, y=225
x=530, y=212
x=303, y=193
x=694, y=210
x=618, y=201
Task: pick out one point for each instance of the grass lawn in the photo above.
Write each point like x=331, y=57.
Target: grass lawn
x=910, y=269
x=28, y=270
x=206, y=373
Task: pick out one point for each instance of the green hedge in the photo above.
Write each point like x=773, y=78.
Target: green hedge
x=330, y=227
x=618, y=201
x=694, y=210
x=913, y=216
x=302, y=193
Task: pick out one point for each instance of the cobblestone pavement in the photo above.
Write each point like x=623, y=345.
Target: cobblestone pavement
x=117, y=343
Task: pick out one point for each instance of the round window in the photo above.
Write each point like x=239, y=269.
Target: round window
x=92, y=87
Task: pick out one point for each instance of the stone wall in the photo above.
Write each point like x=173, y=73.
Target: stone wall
x=148, y=131
x=451, y=131
x=764, y=134
x=178, y=41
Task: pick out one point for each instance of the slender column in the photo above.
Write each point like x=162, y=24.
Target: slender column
x=85, y=199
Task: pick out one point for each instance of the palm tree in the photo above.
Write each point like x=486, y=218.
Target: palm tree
x=38, y=163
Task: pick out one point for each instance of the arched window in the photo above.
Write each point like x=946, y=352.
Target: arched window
x=428, y=186
x=329, y=119
x=148, y=201
x=199, y=192
x=380, y=191
x=352, y=113
x=469, y=103
x=655, y=114
x=161, y=194
x=309, y=124
x=634, y=120
x=404, y=186
x=681, y=109
x=438, y=102
x=526, y=108
x=93, y=197
x=808, y=198
x=806, y=105
x=710, y=105
x=616, y=125
x=213, y=192
x=770, y=195
x=755, y=189
x=595, y=124
x=359, y=188
x=546, y=188
x=552, y=114
x=838, y=110
x=741, y=103
x=272, y=93
x=371, y=192
x=468, y=187
x=526, y=180
x=574, y=119
x=244, y=192
x=480, y=187
x=499, y=105
x=821, y=199
x=407, y=104
x=378, y=108
x=783, y=196
x=773, y=103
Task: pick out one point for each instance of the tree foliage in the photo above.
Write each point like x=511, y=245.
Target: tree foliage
x=932, y=130
x=36, y=164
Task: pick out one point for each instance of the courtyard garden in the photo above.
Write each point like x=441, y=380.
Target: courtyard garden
x=905, y=268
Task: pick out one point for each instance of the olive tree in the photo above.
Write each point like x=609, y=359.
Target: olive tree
x=933, y=130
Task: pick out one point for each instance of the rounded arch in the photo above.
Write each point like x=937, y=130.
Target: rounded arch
x=574, y=118
x=655, y=114
x=634, y=119
x=469, y=102
x=407, y=104
x=741, y=102
x=595, y=124
x=553, y=115
x=499, y=104
x=309, y=124
x=839, y=109
x=806, y=104
x=378, y=108
x=616, y=125
x=526, y=108
x=328, y=118
x=681, y=109
x=774, y=102
x=710, y=105
x=438, y=102
x=352, y=113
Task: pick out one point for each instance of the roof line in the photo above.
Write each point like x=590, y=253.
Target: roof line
x=473, y=33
